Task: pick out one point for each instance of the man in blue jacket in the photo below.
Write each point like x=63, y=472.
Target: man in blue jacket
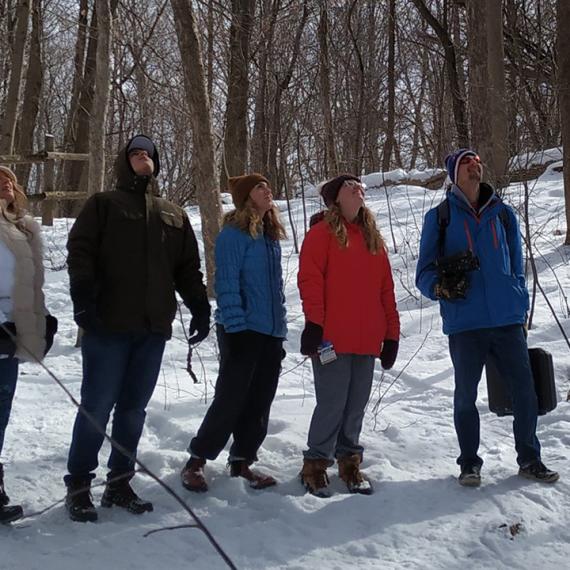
x=483, y=305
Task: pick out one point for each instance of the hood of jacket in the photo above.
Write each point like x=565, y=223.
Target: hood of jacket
x=127, y=180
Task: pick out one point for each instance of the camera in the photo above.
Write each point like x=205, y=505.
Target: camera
x=457, y=264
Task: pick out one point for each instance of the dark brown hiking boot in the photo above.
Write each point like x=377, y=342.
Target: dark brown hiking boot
x=256, y=479
x=349, y=472
x=314, y=477
x=193, y=475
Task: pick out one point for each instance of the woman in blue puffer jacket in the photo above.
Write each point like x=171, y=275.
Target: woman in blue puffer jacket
x=251, y=326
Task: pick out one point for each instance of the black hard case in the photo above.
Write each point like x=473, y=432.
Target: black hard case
x=500, y=401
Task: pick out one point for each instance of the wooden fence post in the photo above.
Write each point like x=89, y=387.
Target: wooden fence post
x=49, y=176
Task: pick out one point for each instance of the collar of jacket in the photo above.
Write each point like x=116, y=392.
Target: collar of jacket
x=486, y=192
x=136, y=185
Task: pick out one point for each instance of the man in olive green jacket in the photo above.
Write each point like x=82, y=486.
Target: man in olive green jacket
x=129, y=252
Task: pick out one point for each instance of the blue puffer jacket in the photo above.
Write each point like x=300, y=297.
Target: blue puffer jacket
x=249, y=283
x=497, y=294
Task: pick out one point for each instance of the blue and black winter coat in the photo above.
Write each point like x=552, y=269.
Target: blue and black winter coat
x=497, y=294
x=249, y=283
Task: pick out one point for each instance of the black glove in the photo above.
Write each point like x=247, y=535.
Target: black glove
x=84, y=308
x=7, y=345
x=311, y=338
x=452, y=287
x=51, y=329
x=239, y=342
x=199, y=326
x=389, y=353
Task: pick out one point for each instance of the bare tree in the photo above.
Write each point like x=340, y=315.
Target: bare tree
x=331, y=164
x=487, y=86
x=389, y=143
x=563, y=51
x=235, y=140
x=97, y=120
x=8, y=132
x=32, y=93
x=459, y=105
x=259, y=140
x=199, y=108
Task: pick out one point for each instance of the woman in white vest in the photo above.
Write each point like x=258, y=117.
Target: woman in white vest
x=26, y=328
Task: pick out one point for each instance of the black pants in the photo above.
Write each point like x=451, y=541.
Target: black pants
x=245, y=389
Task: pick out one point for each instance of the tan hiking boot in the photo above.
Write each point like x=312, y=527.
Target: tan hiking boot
x=349, y=472
x=314, y=477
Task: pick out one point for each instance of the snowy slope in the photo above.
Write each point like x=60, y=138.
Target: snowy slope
x=419, y=517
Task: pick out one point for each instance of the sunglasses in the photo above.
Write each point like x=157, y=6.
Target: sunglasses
x=469, y=159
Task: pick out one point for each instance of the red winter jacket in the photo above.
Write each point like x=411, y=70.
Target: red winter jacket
x=348, y=291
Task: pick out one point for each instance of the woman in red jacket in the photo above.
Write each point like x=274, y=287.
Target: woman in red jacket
x=347, y=290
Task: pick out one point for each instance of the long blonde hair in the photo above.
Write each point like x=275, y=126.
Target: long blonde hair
x=248, y=220
x=365, y=219
x=15, y=211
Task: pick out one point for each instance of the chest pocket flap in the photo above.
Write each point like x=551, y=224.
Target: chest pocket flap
x=172, y=218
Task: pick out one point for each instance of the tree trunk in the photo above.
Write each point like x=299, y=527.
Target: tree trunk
x=497, y=92
x=356, y=162
x=199, y=108
x=32, y=93
x=78, y=61
x=235, y=139
x=8, y=132
x=487, y=87
x=331, y=165
x=97, y=121
x=563, y=51
x=479, y=81
x=282, y=84
x=69, y=134
x=259, y=140
x=72, y=176
x=391, y=119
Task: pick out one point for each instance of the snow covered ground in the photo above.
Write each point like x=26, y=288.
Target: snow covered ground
x=419, y=516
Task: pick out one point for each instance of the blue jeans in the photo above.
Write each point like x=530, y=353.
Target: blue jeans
x=8, y=378
x=120, y=370
x=469, y=351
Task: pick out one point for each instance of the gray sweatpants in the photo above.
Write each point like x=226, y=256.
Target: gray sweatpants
x=342, y=389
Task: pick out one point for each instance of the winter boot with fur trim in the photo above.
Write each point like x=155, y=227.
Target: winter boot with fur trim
x=256, y=479
x=314, y=477
x=349, y=472
x=119, y=492
x=193, y=475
